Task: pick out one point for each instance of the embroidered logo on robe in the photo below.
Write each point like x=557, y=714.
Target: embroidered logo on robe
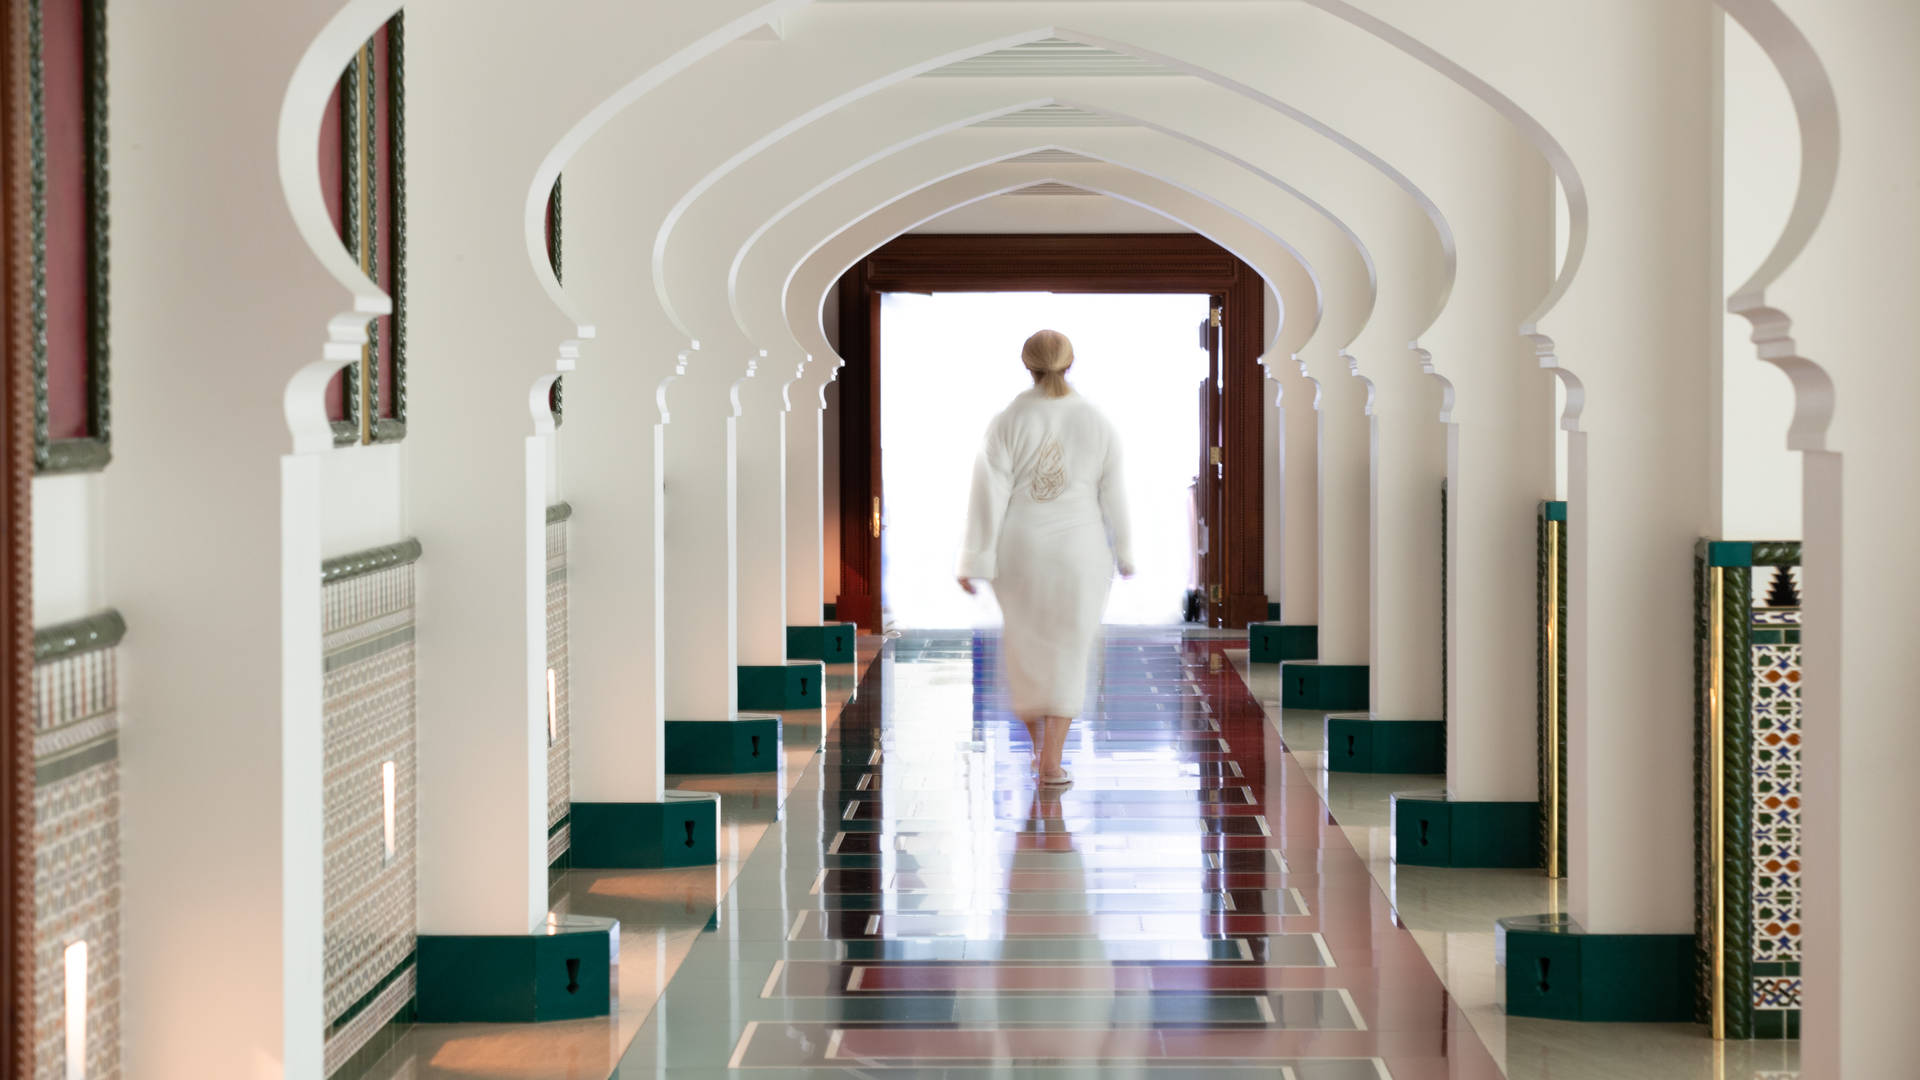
x=1049, y=474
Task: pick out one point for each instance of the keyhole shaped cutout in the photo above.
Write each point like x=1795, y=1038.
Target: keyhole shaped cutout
x=689, y=826
x=1351, y=752
x=803, y=686
x=756, y=745
x=573, y=974
x=1423, y=832
x=1545, y=985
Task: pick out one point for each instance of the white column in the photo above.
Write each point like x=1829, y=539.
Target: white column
x=806, y=513
x=702, y=533
x=1500, y=445
x=1638, y=487
x=762, y=438
x=1343, y=448
x=1300, y=495
x=215, y=557
x=614, y=442
x=1407, y=464
x=1835, y=318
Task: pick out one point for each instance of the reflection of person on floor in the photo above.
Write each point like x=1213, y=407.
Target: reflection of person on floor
x=1047, y=525
x=1084, y=1022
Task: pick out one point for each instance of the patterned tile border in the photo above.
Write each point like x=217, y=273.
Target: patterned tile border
x=76, y=802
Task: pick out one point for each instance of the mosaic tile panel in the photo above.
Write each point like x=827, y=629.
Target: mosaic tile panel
x=559, y=780
x=76, y=856
x=1775, y=713
x=368, y=622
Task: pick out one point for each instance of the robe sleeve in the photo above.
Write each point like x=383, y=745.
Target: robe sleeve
x=986, y=508
x=1113, y=505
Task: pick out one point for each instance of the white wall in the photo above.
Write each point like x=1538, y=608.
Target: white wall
x=1759, y=497
x=361, y=490
x=69, y=552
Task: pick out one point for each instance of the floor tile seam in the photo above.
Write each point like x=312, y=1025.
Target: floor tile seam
x=815, y=755
x=1292, y=761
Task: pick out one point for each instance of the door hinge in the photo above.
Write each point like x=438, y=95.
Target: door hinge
x=876, y=517
x=1216, y=455
x=1216, y=316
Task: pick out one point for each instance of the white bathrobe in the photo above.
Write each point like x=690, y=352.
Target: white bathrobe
x=1046, y=524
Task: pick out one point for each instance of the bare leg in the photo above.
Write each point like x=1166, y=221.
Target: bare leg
x=1056, y=745
x=1037, y=735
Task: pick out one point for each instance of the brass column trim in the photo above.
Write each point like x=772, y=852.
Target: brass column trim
x=1716, y=796
x=1552, y=734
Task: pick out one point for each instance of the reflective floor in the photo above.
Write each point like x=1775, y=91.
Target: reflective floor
x=1188, y=903
x=901, y=898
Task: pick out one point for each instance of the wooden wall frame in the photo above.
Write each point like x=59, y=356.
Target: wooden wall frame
x=360, y=111
x=1090, y=263
x=555, y=396
x=92, y=451
x=17, y=429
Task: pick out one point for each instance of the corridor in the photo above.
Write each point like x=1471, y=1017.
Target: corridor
x=1187, y=903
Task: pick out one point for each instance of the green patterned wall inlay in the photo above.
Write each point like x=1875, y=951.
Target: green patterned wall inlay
x=1757, y=622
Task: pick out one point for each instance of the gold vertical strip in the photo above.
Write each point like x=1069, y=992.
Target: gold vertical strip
x=363, y=154
x=1716, y=797
x=1552, y=734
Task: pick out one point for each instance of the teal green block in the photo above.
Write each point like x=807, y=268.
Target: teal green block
x=746, y=744
x=829, y=612
x=1359, y=743
x=1431, y=830
x=1555, y=511
x=830, y=643
x=1273, y=611
x=1557, y=971
x=1274, y=643
x=793, y=685
x=1729, y=553
x=1308, y=684
x=561, y=973
x=682, y=831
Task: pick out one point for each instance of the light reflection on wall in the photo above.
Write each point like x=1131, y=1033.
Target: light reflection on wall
x=952, y=360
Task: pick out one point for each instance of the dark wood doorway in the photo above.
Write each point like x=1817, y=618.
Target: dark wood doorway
x=1231, y=489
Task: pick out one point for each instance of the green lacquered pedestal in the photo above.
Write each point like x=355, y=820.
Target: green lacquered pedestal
x=680, y=831
x=1431, y=830
x=793, y=685
x=747, y=743
x=563, y=972
x=1309, y=684
x=1273, y=642
x=830, y=643
x=1360, y=742
x=1557, y=971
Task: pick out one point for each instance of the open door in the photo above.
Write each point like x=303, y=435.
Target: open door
x=1228, y=486
x=1212, y=474
x=862, y=502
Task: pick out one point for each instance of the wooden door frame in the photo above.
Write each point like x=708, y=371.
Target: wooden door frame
x=16, y=582
x=1071, y=263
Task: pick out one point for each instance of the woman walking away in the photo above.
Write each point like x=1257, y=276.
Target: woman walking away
x=1047, y=525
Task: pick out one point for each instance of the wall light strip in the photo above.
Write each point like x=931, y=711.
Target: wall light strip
x=553, y=708
x=76, y=1005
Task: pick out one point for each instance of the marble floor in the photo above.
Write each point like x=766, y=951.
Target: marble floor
x=661, y=913
x=903, y=898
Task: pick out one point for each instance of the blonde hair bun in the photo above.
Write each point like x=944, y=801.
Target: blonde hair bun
x=1048, y=354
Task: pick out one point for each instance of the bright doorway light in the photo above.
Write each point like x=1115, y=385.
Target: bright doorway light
x=951, y=362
